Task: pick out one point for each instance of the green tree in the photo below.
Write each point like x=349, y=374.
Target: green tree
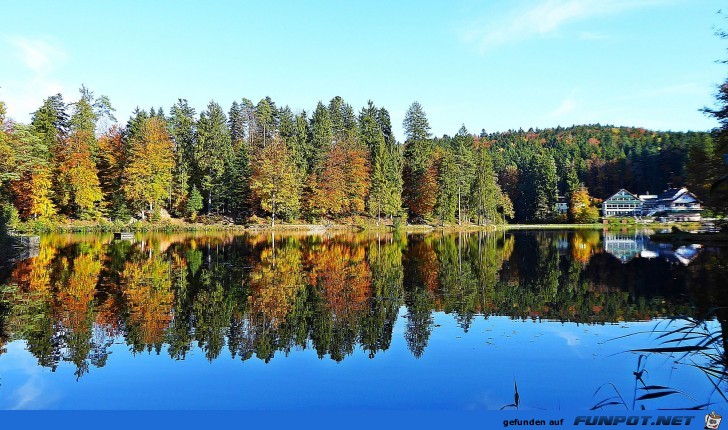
x=182, y=130
x=386, y=177
x=321, y=136
x=194, y=203
x=213, y=151
x=447, y=181
x=418, y=172
x=490, y=203
x=51, y=122
x=462, y=148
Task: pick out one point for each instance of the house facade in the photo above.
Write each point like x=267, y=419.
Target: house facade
x=678, y=204
x=674, y=204
x=622, y=204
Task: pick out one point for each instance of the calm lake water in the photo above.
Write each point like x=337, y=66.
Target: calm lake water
x=569, y=319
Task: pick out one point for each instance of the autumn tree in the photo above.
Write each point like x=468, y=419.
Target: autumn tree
x=29, y=174
x=77, y=184
x=148, y=175
x=582, y=208
x=113, y=157
x=275, y=182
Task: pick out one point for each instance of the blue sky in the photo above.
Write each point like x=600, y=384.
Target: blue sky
x=495, y=65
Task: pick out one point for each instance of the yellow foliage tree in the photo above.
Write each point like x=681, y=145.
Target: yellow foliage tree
x=275, y=181
x=581, y=208
x=148, y=174
x=78, y=186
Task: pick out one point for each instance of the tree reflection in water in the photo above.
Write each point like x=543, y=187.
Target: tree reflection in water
x=269, y=294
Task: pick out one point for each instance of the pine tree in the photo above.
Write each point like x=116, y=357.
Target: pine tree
x=447, y=186
x=321, y=136
x=462, y=148
x=419, y=174
x=51, y=122
x=488, y=200
x=386, y=179
x=301, y=147
x=385, y=124
x=538, y=188
x=194, y=203
x=266, y=116
x=182, y=130
x=213, y=151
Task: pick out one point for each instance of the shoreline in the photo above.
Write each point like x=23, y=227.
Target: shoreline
x=173, y=227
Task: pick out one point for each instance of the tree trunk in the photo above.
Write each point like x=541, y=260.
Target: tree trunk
x=460, y=221
x=209, y=201
x=273, y=220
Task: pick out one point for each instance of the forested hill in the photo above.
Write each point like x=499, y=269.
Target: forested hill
x=76, y=161
x=605, y=158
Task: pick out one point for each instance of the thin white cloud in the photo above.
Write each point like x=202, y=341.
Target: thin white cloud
x=565, y=107
x=38, y=55
x=30, y=75
x=544, y=18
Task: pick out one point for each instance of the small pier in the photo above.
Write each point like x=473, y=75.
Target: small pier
x=123, y=235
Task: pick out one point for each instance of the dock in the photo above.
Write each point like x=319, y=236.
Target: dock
x=123, y=235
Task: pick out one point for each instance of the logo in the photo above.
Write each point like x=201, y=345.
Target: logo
x=712, y=421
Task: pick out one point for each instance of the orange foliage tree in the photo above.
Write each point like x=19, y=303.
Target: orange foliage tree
x=341, y=187
x=77, y=187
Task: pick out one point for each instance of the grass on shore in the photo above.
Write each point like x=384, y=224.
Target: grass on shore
x=348, y=224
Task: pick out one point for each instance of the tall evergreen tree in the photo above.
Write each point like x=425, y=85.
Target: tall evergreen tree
x=321, y=135
x=182, y=130
x=213, y=151
x=418, y=172
x=51, y=122
x=447, y=182
x=538, y=188
x=462, y=148
x=266, y=116
x=490, y=203
x=386, y=182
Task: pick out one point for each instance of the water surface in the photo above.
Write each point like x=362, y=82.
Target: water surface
x=350, y=321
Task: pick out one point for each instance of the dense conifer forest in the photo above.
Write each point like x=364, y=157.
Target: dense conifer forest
x=75, y=160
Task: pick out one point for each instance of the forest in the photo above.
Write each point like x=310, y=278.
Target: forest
x=265, y=163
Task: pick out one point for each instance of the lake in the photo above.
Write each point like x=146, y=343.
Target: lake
x=533, y=320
